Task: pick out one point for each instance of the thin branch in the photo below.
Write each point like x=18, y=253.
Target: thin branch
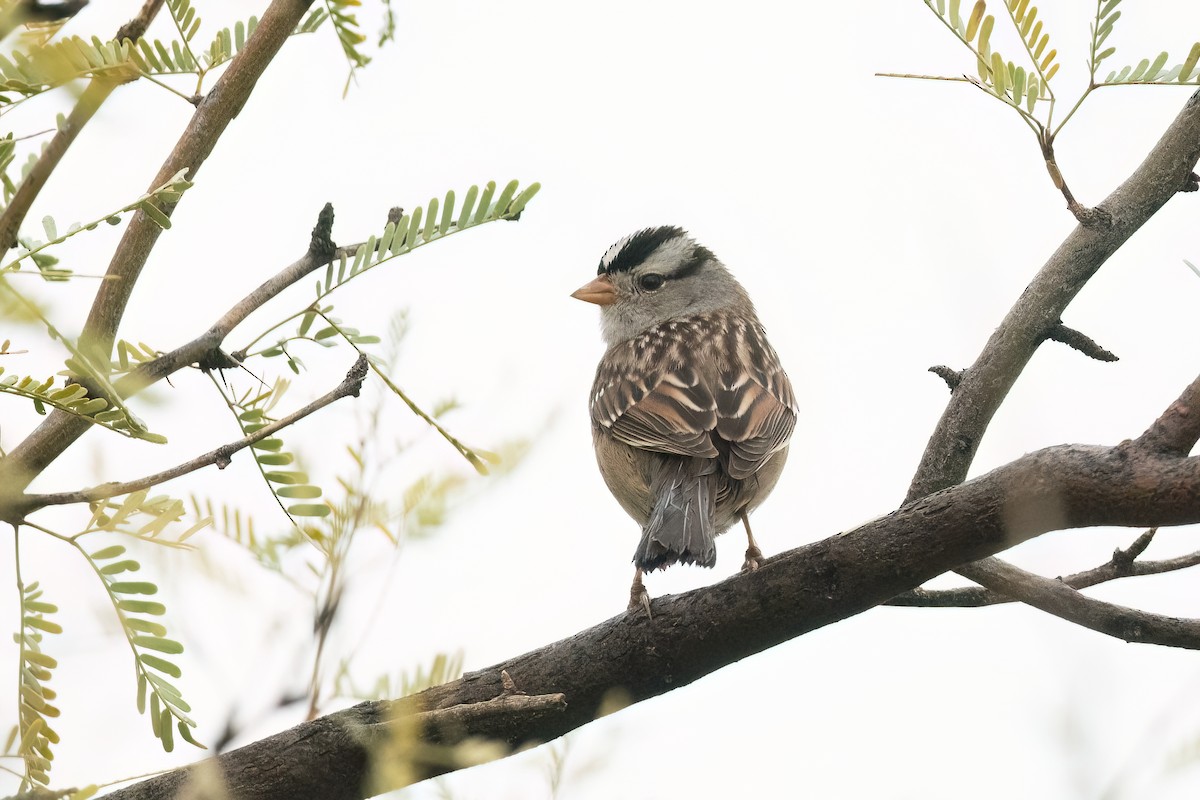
x=1087, y=217
x=1122, y=565
x=349, y=387
x=955, y=79
x=1055, y=597
x=89, y=102
x=214, y=114
x=204, y=349
x=987, y=382
x=206, y=343
x=633, y=657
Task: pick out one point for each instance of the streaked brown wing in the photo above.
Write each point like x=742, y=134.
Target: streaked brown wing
x=756, y=408
x=665, y=410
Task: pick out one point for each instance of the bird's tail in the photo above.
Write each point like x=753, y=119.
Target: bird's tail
x=681, y=527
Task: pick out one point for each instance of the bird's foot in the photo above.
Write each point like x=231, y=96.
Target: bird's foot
x=639, y=597
x=753, y=558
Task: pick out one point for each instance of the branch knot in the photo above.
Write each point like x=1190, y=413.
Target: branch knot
x=321, y=246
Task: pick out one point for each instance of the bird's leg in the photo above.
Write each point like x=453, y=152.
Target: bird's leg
x=638, y=596
x=753, y=554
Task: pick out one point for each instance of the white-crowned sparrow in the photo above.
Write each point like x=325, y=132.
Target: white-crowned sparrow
x=691, y=410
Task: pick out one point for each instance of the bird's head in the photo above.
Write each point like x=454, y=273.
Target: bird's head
x=656, y=275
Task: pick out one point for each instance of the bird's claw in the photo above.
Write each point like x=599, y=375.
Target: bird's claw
x=753, y=559
x=639, y=598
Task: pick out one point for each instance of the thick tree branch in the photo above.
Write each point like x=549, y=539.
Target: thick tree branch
x=1037, y=316
x=213, y=115
x=89, y=102
x=987, y=382
x=1178, y=429
x=1173, y=434
x=349, y=387
x=693, y=634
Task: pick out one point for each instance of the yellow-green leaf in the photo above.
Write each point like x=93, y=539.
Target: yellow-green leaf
x=42, y=624
x=287, y=477
x=142, y=607
x=1152, y=73
x=108, y=552
x=1027, y=23
x=133, y=587
x=975, y=19
x=998, y=73
x=310, y=510
x=160, y=664
x=985, y=33
x=169, y=646
x=299, y=492
x=155, y=213
x=185, y=732
x=146, y=626
x=1189, y=63
x=41, y=659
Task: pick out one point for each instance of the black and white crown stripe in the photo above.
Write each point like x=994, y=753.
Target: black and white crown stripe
x=633, y=250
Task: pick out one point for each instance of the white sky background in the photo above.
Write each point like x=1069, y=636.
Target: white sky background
x=882, y=226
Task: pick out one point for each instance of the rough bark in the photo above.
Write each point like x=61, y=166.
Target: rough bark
x=630, y=658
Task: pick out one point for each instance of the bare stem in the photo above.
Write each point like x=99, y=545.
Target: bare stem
x=221, y=456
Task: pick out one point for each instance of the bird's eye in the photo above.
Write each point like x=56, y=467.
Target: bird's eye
x=651, y=281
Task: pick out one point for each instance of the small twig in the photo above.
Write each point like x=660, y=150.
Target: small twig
x=1123, y=559
x=955, y=78
x=507, y=684
x=505, y=704
x=952, y=377
x=1078, y=341
x=1096, y=218
x=349, y=387
x=202, y=346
